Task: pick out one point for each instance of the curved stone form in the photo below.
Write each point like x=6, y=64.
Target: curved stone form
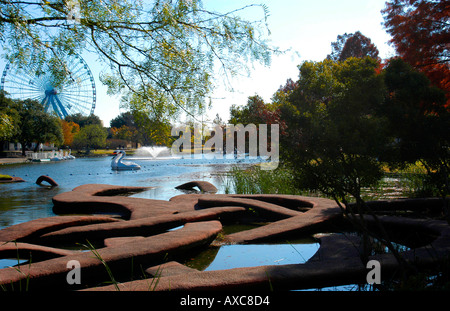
x=169, y=269
x=125, y=238
x=94, y=198
x=11, y=180
x=142, y=239
x=189, y=208
x=98, y=198
x=112, y=242
x=204, y=186
x=34, y=228
x=143, y=226
x=270, y=210
x=121, y=258
x=47, y=179
x=26, y=251
x=319, y=212
x=336, y=263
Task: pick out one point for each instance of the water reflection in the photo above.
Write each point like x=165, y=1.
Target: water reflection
x=21, y=202
x=254, y=255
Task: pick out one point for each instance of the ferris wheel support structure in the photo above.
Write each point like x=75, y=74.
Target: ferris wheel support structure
x=76, y=93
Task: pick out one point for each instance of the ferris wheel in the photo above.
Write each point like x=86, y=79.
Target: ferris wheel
x=75, y=93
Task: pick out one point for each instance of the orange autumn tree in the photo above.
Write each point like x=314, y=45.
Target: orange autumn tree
x=70, y=129
x=420, y=31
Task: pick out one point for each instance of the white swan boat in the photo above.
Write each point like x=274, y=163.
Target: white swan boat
x=61, y=156
x=118, y=164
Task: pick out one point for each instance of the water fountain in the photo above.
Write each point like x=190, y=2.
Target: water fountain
x=153, y=152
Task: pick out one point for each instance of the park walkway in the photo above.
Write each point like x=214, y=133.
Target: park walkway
x=12, y=160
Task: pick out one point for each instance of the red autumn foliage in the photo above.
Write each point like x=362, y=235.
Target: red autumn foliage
x=420, y=31
x=353, y=45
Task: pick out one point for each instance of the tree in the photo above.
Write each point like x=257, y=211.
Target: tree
x=164, y=52
x=124, y=132
x=90, y=137
x=83, y=120
x=124, y=127
x=248, y=114
x=284, y=90
x=70, y=129
x=255, y=112
x=9, y=118
x=352, y=45
x=419, y=123
x=152, y=131
x=420, y=32
x=139, y=126
x=334, y=135
x=6, y=127
x=36, y=125
x=125, y=118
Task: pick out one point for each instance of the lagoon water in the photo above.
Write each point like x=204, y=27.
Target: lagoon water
x=21, y=202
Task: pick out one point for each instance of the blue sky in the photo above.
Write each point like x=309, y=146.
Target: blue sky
x=303, y=28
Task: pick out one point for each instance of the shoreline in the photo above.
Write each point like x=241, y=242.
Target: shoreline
x=6, y=161
x=21, y=159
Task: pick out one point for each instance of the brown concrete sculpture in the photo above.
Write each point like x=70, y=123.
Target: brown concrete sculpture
x=203, y=186
x=120, y=258
x=142, y=235
x=337, y=262
x=47, y=179
x=11, y=179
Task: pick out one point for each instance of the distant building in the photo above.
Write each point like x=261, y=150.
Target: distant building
x=11, y=149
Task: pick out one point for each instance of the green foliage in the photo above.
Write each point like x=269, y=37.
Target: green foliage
x=257, y=181
x=162, y=54
x=416, y=182
x=83, y=120
x=152, y=131
x=333, y=136
x=138, y=126
x=104, y=263
x=9, y=117
x=6, y=126
x=91, y=136
x=248, y=114
x=419, y=123
x=257, y=112
x=27, y=122
x=125, y=118
x=34, y=125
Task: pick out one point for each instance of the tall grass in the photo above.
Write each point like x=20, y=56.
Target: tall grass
x=18, y=269
x=416, y=182
x=105, y=264
x=254, y=180
x=154, y=281
x=409, y=182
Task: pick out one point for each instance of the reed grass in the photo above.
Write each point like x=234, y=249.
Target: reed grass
x=254, y=180
x=409, y=182
x=105, y=264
